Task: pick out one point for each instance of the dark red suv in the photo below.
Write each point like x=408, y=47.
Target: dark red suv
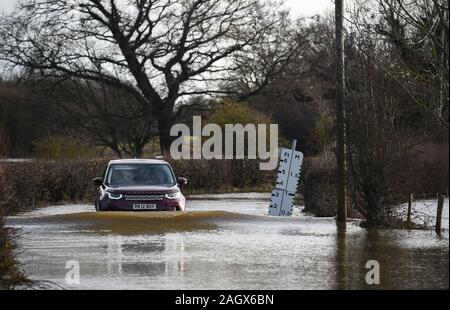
x=138, y=185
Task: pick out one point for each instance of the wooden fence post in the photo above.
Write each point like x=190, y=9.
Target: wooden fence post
x=439, y=213
x=410, y=200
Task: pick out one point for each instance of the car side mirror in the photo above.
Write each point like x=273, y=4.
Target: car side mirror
x=97, y=181
x=182, y=181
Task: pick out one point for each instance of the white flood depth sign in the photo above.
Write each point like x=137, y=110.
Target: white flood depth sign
x=289, y=168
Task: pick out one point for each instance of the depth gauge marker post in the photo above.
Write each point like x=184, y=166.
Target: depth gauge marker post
x=289, y=167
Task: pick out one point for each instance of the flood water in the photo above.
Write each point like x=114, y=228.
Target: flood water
x=225, y=242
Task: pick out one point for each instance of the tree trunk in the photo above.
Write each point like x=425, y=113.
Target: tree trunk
x=373, y=206
x=117, y=151
x=165, y=122
x=136, y=151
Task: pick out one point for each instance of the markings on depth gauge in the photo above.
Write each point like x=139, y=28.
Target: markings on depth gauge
x=289, y=168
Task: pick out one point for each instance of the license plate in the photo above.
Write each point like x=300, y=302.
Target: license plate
x=144, y=206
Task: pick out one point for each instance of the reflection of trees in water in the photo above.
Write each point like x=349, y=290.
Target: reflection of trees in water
x=402, y=266
x=350, y=264
x=146, y=256
x=340, y=257
x=405, y=265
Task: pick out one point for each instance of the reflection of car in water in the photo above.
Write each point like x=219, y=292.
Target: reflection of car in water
x=139, y=184
x=143, y=256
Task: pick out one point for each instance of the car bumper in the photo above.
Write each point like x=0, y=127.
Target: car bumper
x=124, y=205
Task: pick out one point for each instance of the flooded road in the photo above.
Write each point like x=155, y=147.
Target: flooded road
x=225, y=242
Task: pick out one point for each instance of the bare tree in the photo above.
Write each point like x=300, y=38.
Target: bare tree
x=277, y=57
x=107, y=116
x=158, y=50
x=378, y=137
x=414, y=38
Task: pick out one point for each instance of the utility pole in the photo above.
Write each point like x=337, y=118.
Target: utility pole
x=340, y=107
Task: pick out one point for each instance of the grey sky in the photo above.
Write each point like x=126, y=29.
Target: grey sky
x=6, y=5
x=299, y=7
x=309, y=7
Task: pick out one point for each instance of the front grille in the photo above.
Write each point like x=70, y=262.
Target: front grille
x=144, y=197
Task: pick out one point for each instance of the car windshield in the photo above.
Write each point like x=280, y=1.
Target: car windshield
x=140, y=174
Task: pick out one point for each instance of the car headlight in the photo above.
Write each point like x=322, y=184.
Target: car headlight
x=113, y=195
x=174, y=195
